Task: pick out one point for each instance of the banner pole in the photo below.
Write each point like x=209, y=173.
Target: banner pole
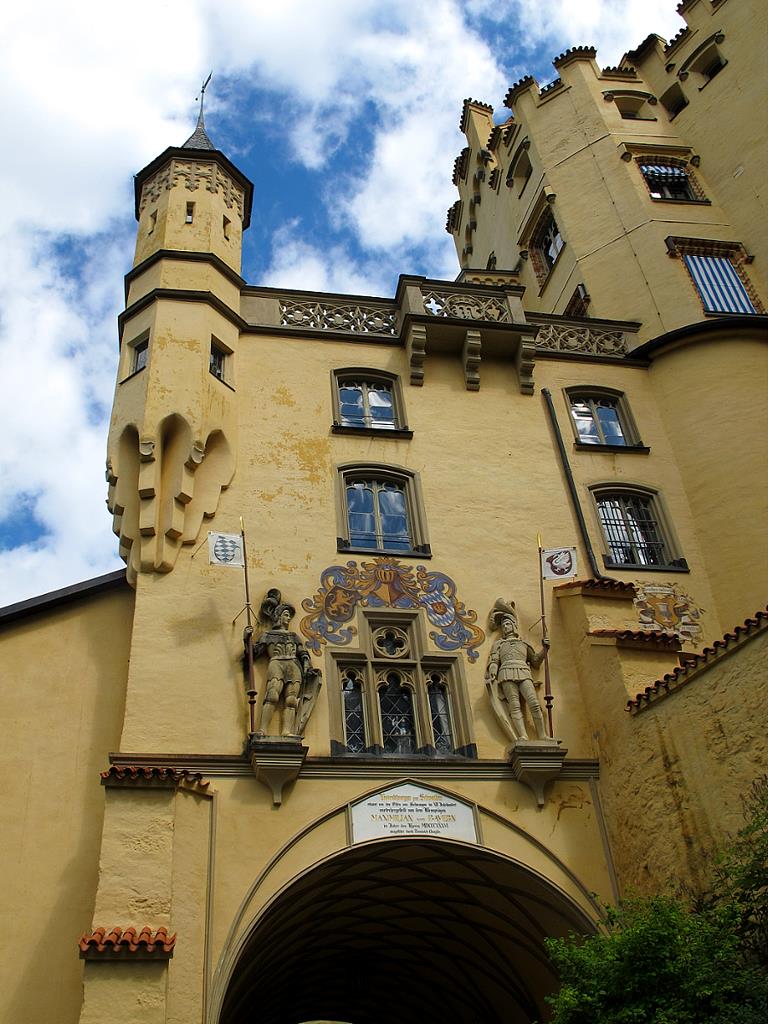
x=548, y=698
x=249, y=645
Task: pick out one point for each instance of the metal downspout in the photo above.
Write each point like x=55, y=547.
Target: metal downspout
x=597, y=574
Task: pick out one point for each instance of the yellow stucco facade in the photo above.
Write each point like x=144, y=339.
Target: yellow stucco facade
x=393, y=461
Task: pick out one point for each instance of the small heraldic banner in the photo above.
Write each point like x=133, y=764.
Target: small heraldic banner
x=225, y=549
x=558, y=563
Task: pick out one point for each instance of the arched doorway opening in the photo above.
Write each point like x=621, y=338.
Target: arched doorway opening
x=413, y=931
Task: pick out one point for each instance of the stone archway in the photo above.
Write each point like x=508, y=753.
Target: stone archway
x=406, y=930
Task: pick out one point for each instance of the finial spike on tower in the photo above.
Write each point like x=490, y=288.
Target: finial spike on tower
x=199, y=137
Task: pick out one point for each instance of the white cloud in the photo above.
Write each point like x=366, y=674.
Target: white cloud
x=94, y=91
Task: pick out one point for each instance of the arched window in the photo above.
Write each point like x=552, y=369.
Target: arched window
x=395, y=697
x=601, y=416
x=398, y=721
x=354, y=713
x=380, y=509
x=367, y=400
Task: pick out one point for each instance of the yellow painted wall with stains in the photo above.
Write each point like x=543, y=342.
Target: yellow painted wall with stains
x=62, y=696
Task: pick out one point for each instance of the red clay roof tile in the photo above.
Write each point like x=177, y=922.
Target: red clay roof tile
x=127, y=943
x=693, y=663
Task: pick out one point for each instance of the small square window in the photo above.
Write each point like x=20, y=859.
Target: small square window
x=140, y=355
x=218, y=361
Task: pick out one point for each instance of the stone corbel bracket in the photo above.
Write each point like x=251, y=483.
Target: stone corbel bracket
x=471, y=355
x=536, y=763
x=525, y=360
x=416, y=344
x=276, y=762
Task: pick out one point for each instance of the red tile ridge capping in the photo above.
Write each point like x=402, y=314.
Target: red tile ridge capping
x=681, y=674
x=656, y=636
x=127, y=943
x=594, y=584
x=140, y=774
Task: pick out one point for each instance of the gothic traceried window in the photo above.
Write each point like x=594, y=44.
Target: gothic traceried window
x=397, y=700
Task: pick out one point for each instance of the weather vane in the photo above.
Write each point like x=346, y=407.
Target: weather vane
x=201, y=97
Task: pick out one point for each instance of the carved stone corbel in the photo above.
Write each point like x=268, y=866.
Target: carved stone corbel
x=276, y=762
x=536, y=763
x=417, y=350
x=525, y=361
x=471, y=355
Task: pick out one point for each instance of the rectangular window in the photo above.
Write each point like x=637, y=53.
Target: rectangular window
x=190, y=214
x=597, y=420
x=377, y=515
x=633, y=530
x=368, y=400
x=218, y=361
x=379, y=508
x=667, y=181
x=140, y=356
x=718, y=284
x=396, y=699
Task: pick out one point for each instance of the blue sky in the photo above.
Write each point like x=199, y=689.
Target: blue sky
x=344, y=114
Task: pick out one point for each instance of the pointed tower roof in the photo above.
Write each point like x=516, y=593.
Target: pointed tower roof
x=199, y=137
x=197, y=141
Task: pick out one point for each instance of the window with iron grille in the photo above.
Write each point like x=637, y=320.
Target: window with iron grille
x=634, y=533
x=396, y=698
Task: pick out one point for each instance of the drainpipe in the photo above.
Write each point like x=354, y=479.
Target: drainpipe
x=598, y=575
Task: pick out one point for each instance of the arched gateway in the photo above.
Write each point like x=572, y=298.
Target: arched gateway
x=407, y=930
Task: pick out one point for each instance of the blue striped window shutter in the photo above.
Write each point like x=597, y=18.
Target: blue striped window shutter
x=718, y=284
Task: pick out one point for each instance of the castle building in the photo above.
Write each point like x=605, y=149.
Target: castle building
x=373, y=792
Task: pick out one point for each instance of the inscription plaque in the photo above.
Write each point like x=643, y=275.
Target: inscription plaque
x=410, y=810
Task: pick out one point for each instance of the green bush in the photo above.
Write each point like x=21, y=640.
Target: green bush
x=663, y=962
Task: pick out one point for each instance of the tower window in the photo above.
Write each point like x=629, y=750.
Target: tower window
x=673, y=100
x=545, y=246
x=140, y=355
x=717, y=270
x=152, y=222
x=225, y=225
x=633, y=529
x=190, y=214
x=218, y=361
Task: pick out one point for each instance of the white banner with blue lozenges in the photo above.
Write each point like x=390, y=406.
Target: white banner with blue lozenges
x=225, y=549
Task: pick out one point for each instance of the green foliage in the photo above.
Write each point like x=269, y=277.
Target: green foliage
x=741, y=878
x=662, y=962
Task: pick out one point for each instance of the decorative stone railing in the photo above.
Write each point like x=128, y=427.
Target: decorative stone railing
x=464, y=306
x=337, y=316
x=565, y=337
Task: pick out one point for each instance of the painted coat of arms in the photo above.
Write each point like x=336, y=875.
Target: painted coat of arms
x=387, y=583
